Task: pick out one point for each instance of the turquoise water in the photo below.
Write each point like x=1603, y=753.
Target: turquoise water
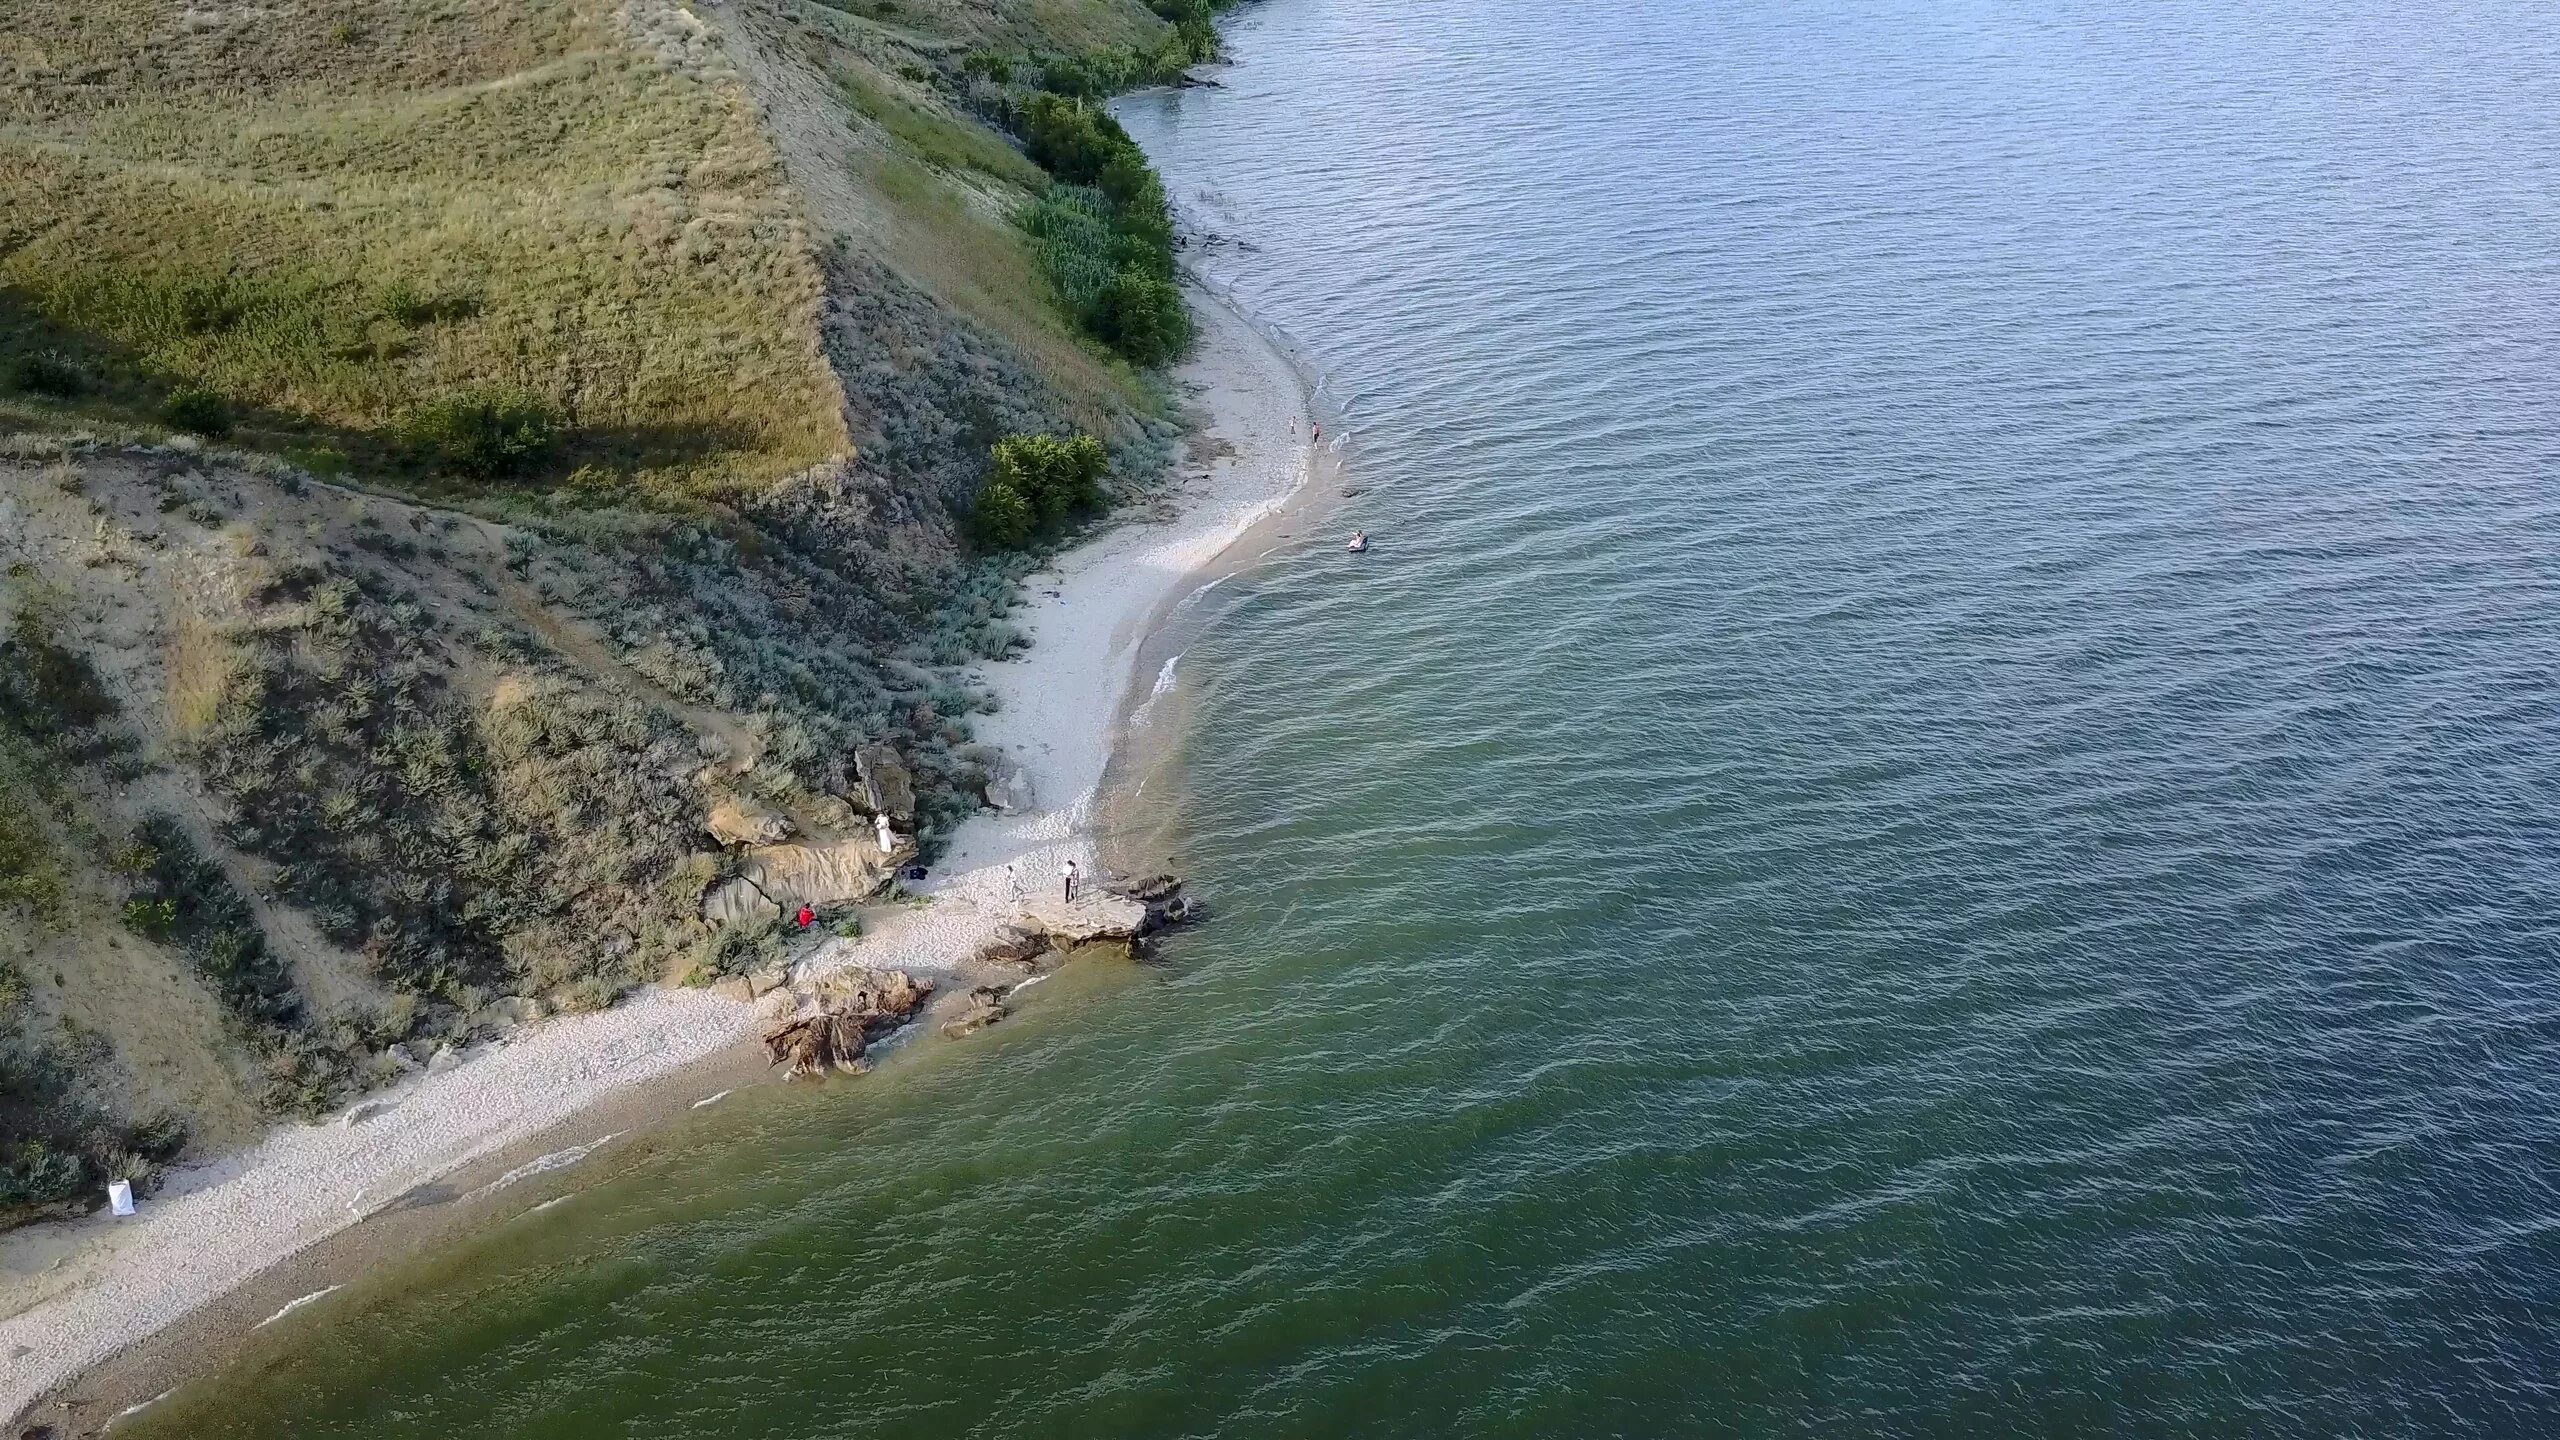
x=1933, y=817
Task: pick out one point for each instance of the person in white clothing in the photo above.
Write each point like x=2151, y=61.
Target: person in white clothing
x=888, y=837
x=1067, y=871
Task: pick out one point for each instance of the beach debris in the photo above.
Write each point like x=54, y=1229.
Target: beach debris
x=887, y=786
x=852, y=1008
x=120, y=1197
x=984, y=1007
x=735, y=821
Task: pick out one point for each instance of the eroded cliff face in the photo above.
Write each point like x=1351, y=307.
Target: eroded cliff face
x=331, y=745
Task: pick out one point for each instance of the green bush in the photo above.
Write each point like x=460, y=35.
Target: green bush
x=1036, y=481
x=1004, y=515
x=151, y=919
x=182, y=896
x=405, y=305
x=49, y=373
x=1141, y=316
x=1104, y=231
x=198, y=411
x=482, y=434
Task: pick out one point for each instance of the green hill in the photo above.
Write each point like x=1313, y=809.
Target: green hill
x=463, y=441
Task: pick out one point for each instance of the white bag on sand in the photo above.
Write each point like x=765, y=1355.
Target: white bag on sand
x=120, y=1196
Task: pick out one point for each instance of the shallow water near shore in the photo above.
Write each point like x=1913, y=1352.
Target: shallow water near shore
x=1932, y=816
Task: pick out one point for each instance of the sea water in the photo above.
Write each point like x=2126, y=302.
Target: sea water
x=1932, y=815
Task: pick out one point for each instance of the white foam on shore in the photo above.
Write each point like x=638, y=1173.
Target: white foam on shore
x=1164, y=684
x=1060, y=703
x=713, y=1099
x=138, y=1407
x=545, y=1164
x=292, y=1305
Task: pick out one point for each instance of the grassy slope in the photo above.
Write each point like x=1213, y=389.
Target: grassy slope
x=328, y=222
x=724, y=258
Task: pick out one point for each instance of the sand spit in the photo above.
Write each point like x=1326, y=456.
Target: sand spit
x=104, y=1285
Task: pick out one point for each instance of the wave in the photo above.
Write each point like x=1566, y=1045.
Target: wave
x=292, y=1305
x=544, y=1164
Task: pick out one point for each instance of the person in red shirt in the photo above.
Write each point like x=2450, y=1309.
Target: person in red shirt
x=808, y=917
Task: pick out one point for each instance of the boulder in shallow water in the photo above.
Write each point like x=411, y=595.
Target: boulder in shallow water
x=853, y=1007
x=984, y=1007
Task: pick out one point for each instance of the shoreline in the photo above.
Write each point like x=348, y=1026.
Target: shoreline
x=225, y=1237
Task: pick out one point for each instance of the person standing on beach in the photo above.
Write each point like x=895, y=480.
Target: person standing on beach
x=1067, y=871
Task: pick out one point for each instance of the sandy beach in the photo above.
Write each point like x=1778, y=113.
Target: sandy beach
x=77, y=1294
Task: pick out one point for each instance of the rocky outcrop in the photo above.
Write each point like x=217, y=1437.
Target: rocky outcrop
x=887, y=786
x=735, y=821
x=984, y=1007
x=1166, y=904
x=851, y=1009
x=775, y=880
x=1008, y=787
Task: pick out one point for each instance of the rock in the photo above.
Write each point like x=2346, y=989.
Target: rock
x=361, y=1111
x=984, y=1007
x=445, y=1058
x=852, y=1007
x=734, y=987
x=739, y=902
x=516, y=1009
x=873, y=994
x=779, y=879
x=1014, y=945
x=735, y=821
x=1009, y=787
x=1150, y=890
x=1164, y=904
x=768, y=979
x=886, y=784
x=774, y=1004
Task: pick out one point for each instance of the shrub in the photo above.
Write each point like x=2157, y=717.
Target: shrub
x=1034, y=482
x=182, y=896
x=405, y=305
x=1004, y=516
x=198, y=411
x=1105, y=232
x=1141, y=316
x=482, y=434
x=49, y=373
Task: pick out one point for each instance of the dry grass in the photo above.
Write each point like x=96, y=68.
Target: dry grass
x=328, y=218
x=200, y=666
x=961, y=247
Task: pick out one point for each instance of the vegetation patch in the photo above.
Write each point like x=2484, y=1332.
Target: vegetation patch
x=1035, y=483
x=237, y=217
x=59, y=1142
x=1105, y=235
